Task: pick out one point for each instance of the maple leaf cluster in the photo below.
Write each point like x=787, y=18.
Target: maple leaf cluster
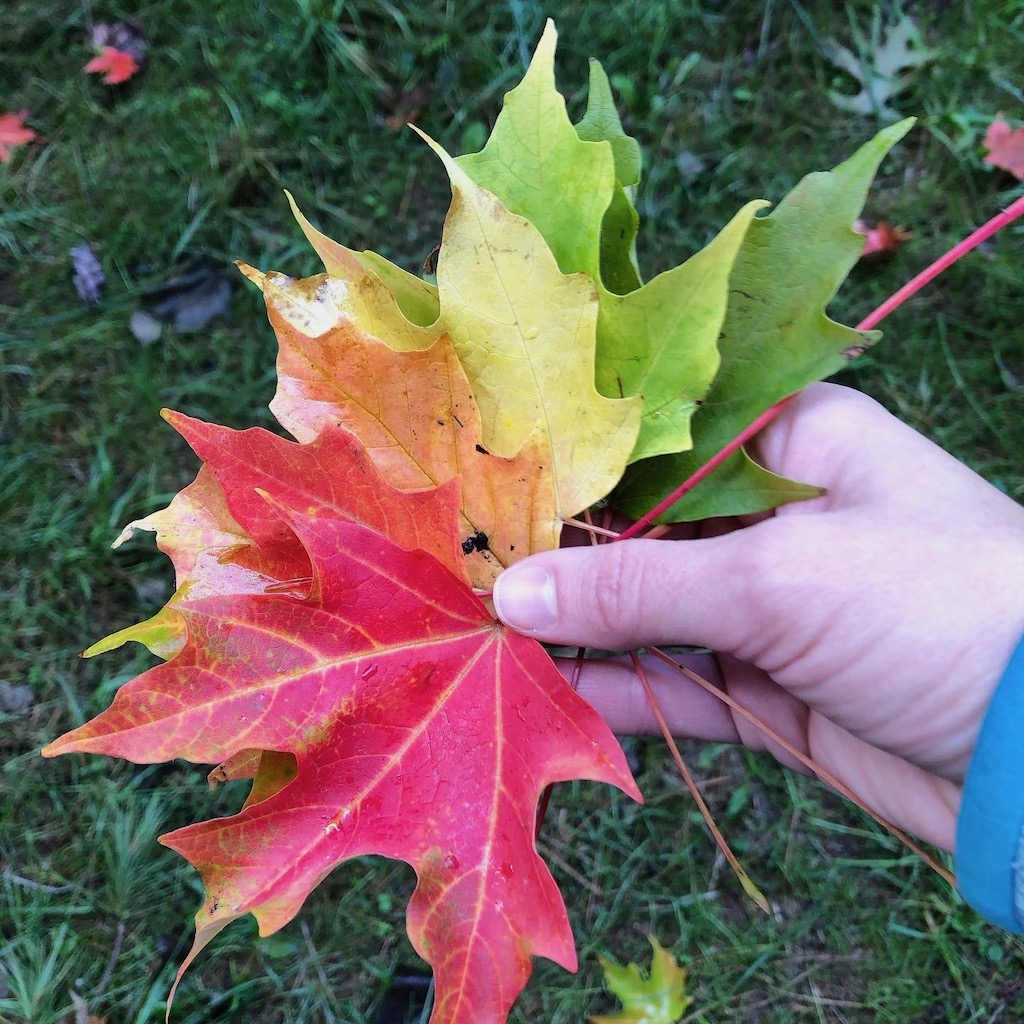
x=328, y=637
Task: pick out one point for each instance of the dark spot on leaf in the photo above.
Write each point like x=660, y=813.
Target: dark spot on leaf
x=482, y=450
x=440, y=423
x=477, y=542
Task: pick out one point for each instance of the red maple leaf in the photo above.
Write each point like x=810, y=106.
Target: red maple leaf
x=331, y=475
x=115, y=65
x=1005, y=148
x=421, y=729
x=224, y=539
x=13, y=133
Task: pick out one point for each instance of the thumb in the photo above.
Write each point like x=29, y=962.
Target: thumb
x=635, y=593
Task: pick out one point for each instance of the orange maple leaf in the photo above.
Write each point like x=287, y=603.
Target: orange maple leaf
x=13, y=133
x=1005, y=148
x=115, y=65
x=413, y=409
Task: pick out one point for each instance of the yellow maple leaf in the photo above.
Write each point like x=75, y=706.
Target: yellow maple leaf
x=526, y=335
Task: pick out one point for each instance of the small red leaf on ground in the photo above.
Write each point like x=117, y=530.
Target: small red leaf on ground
x=115, y=65
x=1005, y=148
x=13, y=133
x=882, y=238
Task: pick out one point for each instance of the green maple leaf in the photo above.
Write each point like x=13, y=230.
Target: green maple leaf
x=621, y=222
x=658, y=997
x=657, y=340
x=776, y=340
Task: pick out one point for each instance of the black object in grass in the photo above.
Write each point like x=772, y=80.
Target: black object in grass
x=405, y=999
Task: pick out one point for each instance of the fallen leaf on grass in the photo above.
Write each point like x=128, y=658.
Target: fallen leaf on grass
x=883, y=67
x=13, y=133
x=1005, y=148
x=88, y=276
x=115, y=65
x=658, y=997
x=882, y=238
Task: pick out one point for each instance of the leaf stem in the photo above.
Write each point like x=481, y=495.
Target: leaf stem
x=961, y=249
x=709, y=467
x=997, y=223
x=744, y=879
x=591, y=528
x=808, y=762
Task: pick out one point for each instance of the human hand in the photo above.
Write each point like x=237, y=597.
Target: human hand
x=868, y=627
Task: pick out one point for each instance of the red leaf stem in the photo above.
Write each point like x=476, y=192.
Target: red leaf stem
x=961, y=249
x=709, y=467
x=997, y=223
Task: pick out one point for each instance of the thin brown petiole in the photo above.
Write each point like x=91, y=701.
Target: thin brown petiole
x=591, y=528
x=822, y=773
x=744, y=879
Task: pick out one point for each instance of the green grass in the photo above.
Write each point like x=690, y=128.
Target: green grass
x=243, y=99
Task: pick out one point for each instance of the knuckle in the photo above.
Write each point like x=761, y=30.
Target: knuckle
x=619, y=585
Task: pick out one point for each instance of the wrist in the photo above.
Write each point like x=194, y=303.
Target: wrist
x=990, y=828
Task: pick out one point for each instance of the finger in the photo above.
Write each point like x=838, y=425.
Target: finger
x=712, y=592
x=611, y=686
x=903, y=793
x=919, y=801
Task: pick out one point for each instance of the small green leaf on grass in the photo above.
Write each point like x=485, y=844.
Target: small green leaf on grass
x=658, y=997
